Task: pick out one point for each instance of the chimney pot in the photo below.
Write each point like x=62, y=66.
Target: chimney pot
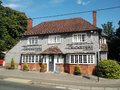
x=94, y=18
x=29, y=23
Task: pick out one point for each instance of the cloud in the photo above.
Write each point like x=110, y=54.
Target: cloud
x=83, y=2
x=11, y=5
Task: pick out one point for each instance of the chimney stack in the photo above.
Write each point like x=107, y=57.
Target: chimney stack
x=94, y=18
x=29, y=23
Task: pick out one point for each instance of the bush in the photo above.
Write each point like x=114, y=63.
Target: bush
x=25, y=67
x=12, y=64
x=109, y=69
x=43, y=68
x=77, y=70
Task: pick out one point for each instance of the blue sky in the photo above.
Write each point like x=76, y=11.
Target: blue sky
x=41, y=8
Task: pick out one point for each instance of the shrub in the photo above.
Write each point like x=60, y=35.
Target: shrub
x=43, y=68
x=109, y=69
x=25, y=67
x=77, y=70
x=12, y=64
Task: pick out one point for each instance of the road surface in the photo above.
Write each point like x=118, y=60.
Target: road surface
x=5, y=85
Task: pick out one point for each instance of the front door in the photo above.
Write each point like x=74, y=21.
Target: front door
x=51, y=63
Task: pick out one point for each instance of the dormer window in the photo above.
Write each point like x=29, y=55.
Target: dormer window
x=54, y=39
x=33, y=40
x=81, y=37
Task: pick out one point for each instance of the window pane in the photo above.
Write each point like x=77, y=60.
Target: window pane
x=84, y=58
x=75, y=38
x=40, y=59
x=80, y=58
x=26, y=59
x=72, y=58
x=36, y=58
x=79, y=38
x=89, y=58
x=32, y=58
x=36, y=41
x=83, y=37
x=23, y=58
x=29, y=58
x=76, y=58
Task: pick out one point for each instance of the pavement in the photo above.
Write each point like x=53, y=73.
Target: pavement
x=60, y=80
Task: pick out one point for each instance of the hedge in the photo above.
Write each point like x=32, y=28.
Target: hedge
x=109, y=69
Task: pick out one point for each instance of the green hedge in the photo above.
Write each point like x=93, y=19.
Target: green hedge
x=109, y=69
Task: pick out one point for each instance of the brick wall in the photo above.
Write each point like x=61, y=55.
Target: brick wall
x=33, y=67
x=85, y=68
x=61, y=67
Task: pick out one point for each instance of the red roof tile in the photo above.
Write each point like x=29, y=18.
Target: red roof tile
x=61, y=26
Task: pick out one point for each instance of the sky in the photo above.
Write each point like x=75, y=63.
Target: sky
x=41, y=8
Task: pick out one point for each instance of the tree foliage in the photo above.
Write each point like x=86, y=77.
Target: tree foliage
x=116, y=44
x=12, y=24
x=108, y=29
x=113, y=40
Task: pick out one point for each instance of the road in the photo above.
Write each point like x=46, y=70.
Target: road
x=5, y=85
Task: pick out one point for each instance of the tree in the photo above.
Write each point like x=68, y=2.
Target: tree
x=108, y=29
x=12, y=24
x=116, y=43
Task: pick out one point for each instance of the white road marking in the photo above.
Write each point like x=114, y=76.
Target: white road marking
x=59, y=87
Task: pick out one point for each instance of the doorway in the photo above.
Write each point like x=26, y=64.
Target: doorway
x=51, y=63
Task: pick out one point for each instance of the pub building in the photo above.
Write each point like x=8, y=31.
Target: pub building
x=60, y=45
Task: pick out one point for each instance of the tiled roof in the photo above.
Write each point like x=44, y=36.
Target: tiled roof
x=52, y=50
x=61, y=26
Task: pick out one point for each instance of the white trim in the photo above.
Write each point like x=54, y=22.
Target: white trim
x=31, y=59
x=79, y=37
x=54, y=39
x=33, y=40
x=78, y=62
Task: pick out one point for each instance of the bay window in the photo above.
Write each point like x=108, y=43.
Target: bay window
x=82, y=59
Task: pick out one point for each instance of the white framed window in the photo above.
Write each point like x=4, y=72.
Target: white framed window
x=32, y=59
x=59, y=59
x=82, y=59
x=81, y=37
x=33, y=40
x=54, y=39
